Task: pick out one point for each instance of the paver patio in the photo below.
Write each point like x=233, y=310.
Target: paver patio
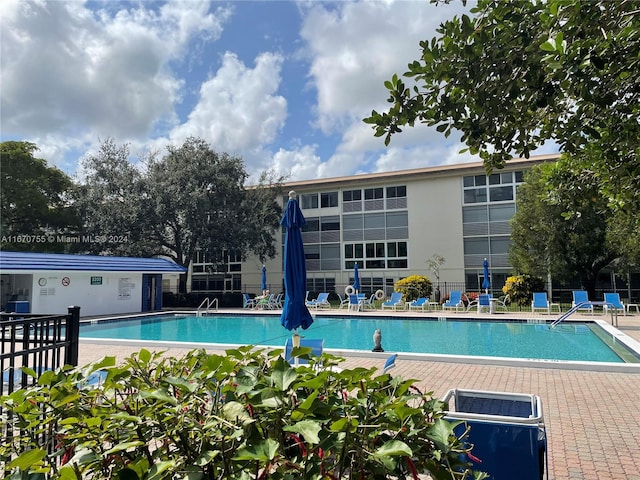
x=592, y=418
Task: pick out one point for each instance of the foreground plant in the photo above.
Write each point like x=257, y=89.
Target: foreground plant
x=247, y=414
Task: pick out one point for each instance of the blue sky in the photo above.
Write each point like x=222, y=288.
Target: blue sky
x=282, y=84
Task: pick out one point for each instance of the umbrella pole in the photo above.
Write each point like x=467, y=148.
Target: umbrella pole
x=295, y=341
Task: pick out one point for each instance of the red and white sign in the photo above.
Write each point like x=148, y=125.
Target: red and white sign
x=66, y=281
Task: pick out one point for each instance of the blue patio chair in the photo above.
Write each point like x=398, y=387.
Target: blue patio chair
x=581, y=296
x=355, y=302
x=419, y=304
x=540, y=302
x=344, y=301
x=247, y=301
x=390, y=363
x=394, y=302
x=613, y=303
x=455, y=301
x=321, y=302
x=369, y=302
x=315, y=344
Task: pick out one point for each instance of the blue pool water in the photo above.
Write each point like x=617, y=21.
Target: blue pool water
x=573, y=342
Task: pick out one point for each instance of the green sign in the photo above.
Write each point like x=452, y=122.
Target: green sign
x=96, y=280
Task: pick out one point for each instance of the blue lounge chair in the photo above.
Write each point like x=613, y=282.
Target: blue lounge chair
x=613, y=303
x=369, y=302
x=321, y=302
x=581, y=296
x=419, y=304
x=390, y=363
x=316, y=345
x=247, y=301
x=394, y=302
x=540, y=302
x=455, y=301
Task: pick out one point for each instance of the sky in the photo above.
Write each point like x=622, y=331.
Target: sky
x=284, y=85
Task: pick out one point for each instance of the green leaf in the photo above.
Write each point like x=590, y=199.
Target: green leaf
x=395, y=448
x=440, y=432
x=283, y=377
x=160, y=395
x=309, y=429
x=235, y=411
x=144, y=355
x=27, y=459
x=263, y=452
x=157, y=470
x=68, y=473
x=206, y=457
x=124, y=446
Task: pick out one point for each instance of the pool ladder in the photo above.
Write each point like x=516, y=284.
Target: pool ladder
x=575, y=308
x=206, y=306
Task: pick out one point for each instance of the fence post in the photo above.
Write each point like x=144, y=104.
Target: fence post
x=73, y=336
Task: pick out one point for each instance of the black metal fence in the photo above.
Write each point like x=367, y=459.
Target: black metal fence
x=38, y=342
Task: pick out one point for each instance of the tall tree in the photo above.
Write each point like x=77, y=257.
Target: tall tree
x=111, y=202
x=561, y=225
x=190, y=199
x=35, y=200
x=519, y=73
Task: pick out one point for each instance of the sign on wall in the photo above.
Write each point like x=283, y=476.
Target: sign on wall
x=96, y=280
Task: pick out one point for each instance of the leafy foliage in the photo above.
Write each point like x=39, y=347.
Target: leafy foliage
x=516, y=74
x=247, y=414
x=562, y=225
x=34, y=203
x=520, y=288
x=414, y=286
x=192, y=198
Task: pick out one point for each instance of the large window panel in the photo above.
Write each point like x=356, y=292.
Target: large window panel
x=351, y=195
x=373, y=193
x=501, y=213
x=352, y=222
x=501, y=194
x=500, y=245
x=397, y=219
x=476, y=246
x=329, y=199
x=309, y=201
x=312, y=225
x=312, y=252
x=374, y=220
x=330, y=223
x=475, y=195
x=474, y=214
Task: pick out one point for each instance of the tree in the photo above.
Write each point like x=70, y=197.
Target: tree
x=35, y=203
x=191, y=199
x=518, y=74
x=112, y=204
x=562, y=225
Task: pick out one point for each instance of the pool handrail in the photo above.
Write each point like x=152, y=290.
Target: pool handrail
x=207, y=303
x=582, y=305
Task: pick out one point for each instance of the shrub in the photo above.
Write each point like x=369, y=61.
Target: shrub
x=413, y=287
x=520, y=288
x=247, y=414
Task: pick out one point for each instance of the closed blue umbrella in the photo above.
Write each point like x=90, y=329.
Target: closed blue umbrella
x=295, y=313
x=264, y=279
x=356, y=278
x=486, y=283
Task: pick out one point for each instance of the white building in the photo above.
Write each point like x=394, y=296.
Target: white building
x=49, y=283
x=391, y=224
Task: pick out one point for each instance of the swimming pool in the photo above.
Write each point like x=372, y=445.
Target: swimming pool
x=586, y=342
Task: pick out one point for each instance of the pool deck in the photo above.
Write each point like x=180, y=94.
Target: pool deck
x=592, y=418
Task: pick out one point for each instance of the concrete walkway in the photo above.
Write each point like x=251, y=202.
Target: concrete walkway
x=592, y=418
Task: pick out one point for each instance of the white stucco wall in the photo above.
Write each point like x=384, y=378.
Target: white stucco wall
x=54, y=292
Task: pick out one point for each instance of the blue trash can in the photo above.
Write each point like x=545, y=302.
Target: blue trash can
x=506, y=430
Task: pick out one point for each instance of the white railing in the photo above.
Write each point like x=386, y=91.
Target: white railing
x=206, y=305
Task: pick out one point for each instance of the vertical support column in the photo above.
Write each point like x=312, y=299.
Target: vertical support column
x=73, y=336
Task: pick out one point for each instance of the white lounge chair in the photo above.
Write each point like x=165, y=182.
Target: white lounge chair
x=454, y=302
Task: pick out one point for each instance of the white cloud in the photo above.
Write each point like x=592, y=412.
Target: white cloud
x=68, y=71
x=238, y=108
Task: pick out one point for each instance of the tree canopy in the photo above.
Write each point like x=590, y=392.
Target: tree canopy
x=191, y=198
x=35, y=204
x=517, y=74
x=562, y=226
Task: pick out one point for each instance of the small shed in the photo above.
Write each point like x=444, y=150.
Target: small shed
x=101, y=285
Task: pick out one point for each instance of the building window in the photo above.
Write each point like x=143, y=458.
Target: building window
x=308, y=201
x=311, y=225
x=351, y=195
x=501, y=194
x=396, y=192
x=329, y=199
x=373, y=193
x=330, y=223
x=475, y=195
